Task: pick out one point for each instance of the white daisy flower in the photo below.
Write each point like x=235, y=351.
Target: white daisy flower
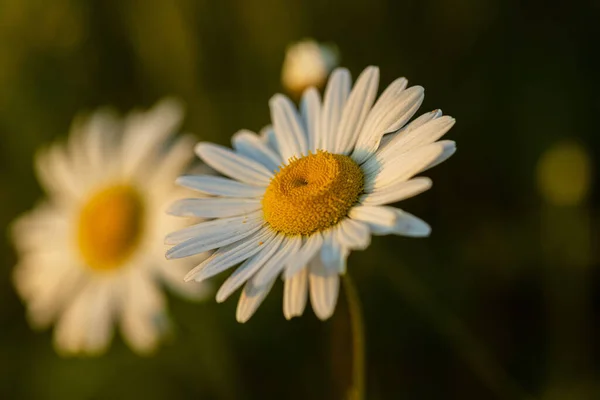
x=312, y=189
x=92, y=254
x=307, y=63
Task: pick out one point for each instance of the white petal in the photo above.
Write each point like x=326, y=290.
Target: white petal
x=336, y=93
x=69, y=333
x=356, y=110
x=86, y=326
x=214, y=207
x=100, y=133
x=143, y=318
x=393, y=109
x=423, y=135
x=295, y=293
x=414, y=124
x=405, y=224
x=310, y=109
x=250, y=299
x=404, y=166
x=249, y=144
x=219, y=186
x=267, y=135
x=289, y=130
x=204, y=230
x=173, y=162
x=376, y=215
x=400, y=190
x=46, y=290
x=422, y=119
x=231, y=255
x=333, y=254
x=248, y=268
x=144, y=134
x=449, y=148
x=55, y=173
x=312, y=245
x=233, y=165
x=271, y=269
x=214, y=238
x=324, y=287
x=353, y=234
x=409, y=225
x=100, y=324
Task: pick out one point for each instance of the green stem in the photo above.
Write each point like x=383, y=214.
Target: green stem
x=357, y=392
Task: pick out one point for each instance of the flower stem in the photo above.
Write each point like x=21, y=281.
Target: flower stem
x=357, y=391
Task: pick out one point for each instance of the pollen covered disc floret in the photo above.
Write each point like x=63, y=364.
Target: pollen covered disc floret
x=312, y=193
x=110, y=227
x=295, y=200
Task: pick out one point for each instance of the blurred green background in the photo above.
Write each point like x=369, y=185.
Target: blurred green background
x=504, y=296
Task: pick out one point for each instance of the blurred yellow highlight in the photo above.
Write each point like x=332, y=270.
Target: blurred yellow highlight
x=110, y=227
x=564, y=174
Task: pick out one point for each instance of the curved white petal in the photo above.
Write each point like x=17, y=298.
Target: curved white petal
x=310, y=110
x=174, y=161
x=221, y=235
x=56, y=175
x=249, y=268
x=414, y=124
x=398, y=191
x=373, y=215
x=250, y=299
x=333, y=253
x=204, y=230
x=449, y=148
x=275, y=265
x=324, y=288
x=100, y=323
x=311, y=246
x=404, y=166
x=405, y=224
x=356, y=110
x=393, y=109
x=69, y=333
x=233, y=165
x=353, y=234
x=267, y=135
x=295, y=294
x=214, y=207
x=249, y=144
x=86, y=326
x=334, y=100
x=219, y=186
x=230, y=255
x=420, y=136
x=99, y=146
x=143, y=318
x=289, y=130
x=144, y=134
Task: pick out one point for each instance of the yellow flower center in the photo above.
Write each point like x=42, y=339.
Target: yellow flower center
x=110, y=227
x=312, y=193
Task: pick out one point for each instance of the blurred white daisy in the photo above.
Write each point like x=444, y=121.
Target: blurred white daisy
x=310, y=190
x=92, y=255
x=307, y=63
